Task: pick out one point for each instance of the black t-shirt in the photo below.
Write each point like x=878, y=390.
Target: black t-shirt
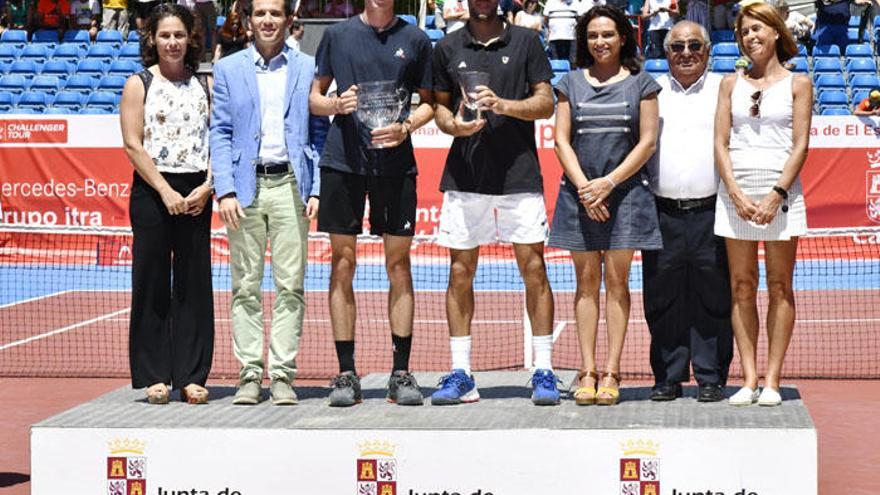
x=353, y=52
x=502, y=158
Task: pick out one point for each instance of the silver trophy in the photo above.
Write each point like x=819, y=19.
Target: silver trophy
x=470, y=81
x=379, y=104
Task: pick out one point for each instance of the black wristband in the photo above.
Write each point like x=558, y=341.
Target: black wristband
x=780, y=191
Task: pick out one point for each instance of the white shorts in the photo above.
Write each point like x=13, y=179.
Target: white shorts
x=468, y=220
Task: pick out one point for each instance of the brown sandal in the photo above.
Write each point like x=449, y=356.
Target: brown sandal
x=612, y=393
x=194, y=394
x=157, y=393
x=584, y=396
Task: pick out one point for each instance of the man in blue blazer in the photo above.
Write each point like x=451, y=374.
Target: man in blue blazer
x=267, y=181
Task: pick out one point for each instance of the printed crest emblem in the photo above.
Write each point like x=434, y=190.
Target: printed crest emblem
x=126, y=467
x=376, y=469
x=505, y=59
x=640, y=468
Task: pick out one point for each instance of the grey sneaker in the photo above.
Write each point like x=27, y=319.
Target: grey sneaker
x=346, y=390
x=248, y=393
x=403, y=389
x=282, y=392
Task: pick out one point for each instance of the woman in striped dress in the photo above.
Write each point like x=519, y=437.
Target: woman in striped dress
x=762, y=127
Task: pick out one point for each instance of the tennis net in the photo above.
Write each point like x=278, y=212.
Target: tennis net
x=65, y=294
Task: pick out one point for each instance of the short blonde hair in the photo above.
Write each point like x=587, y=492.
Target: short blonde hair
x=786, y=47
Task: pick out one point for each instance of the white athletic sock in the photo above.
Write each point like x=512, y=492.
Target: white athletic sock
x=461, y=353
x=543, y=352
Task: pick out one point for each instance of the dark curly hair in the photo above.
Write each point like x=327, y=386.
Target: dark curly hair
x=629, y=54
x=149, y=54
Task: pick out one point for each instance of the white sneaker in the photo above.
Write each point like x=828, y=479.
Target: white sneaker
x=744, y=397
x=769, y=397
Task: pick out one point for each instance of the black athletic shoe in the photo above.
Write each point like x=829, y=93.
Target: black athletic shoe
x=403, y=389
x=665, y=392
x=346, y=390
x=710, y=392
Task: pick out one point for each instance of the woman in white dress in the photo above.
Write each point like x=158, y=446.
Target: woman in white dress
x=762, y=127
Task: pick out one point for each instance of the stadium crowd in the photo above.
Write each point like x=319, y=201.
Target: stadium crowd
x=693, y=169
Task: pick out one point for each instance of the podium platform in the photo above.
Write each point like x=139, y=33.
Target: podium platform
x=503, y=445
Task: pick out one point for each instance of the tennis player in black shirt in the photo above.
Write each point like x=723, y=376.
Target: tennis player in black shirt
x=371, y=47
x=492, y=187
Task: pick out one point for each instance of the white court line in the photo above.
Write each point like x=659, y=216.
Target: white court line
x=559, y=323
x=32, y=299
x=64, y=329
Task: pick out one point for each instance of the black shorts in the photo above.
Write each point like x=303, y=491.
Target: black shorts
x=392, y=203
x=142, y=9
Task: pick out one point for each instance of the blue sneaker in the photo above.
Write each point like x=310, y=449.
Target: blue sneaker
x=455, y=388
x=544, y=391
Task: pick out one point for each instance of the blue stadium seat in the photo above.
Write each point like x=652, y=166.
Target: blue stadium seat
x=802, y=50
x=68, y=52
x=861, y=66
x=858, y=50
x=14, y=37
x=725, y=49
x=556, y=78
x=434, y=35
x=57, y=68
x=865, y=81
x=827, y=82
x=105, y=53
x=111, y=38
x=826, y=66
x=429, y=22
x=13, y=83
x=852, y=35
x=9, y=53
x=410, y=19
x=130, y=51
x=722, y=35
x=859, y=95
x=122, y=68
x=724, y=65
x=833, y=98
x=133, y=37
x=102, y=99
x=560, y=65
x=112, y=84
x=800, y=65
x=94, y=111
x=7, y=101
x=25, y=111
x=91, y=66
x=36, y=53
x=33, y=99
x=657, y=65
x=58, y=111
x=854, y=21
x=826, y=51
x=26, y=68
x=4, y=68
x=81, y=83
x=68, y=99
x=77, y=37
x=221, y=20
x=46, y=84
x=45, y=37
x=835, y=111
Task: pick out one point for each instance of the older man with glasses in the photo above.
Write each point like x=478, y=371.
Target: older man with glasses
x=686, y=285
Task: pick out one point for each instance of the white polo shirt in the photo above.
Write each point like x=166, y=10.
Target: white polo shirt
x=684, y=165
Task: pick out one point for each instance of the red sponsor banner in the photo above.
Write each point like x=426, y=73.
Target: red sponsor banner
x=85, y=182
x=33, y=131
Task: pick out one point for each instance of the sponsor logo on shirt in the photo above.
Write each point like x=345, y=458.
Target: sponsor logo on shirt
x=400, y=54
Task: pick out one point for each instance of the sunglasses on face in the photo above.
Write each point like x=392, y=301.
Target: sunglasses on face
x=693, y=46
x=755, y=110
